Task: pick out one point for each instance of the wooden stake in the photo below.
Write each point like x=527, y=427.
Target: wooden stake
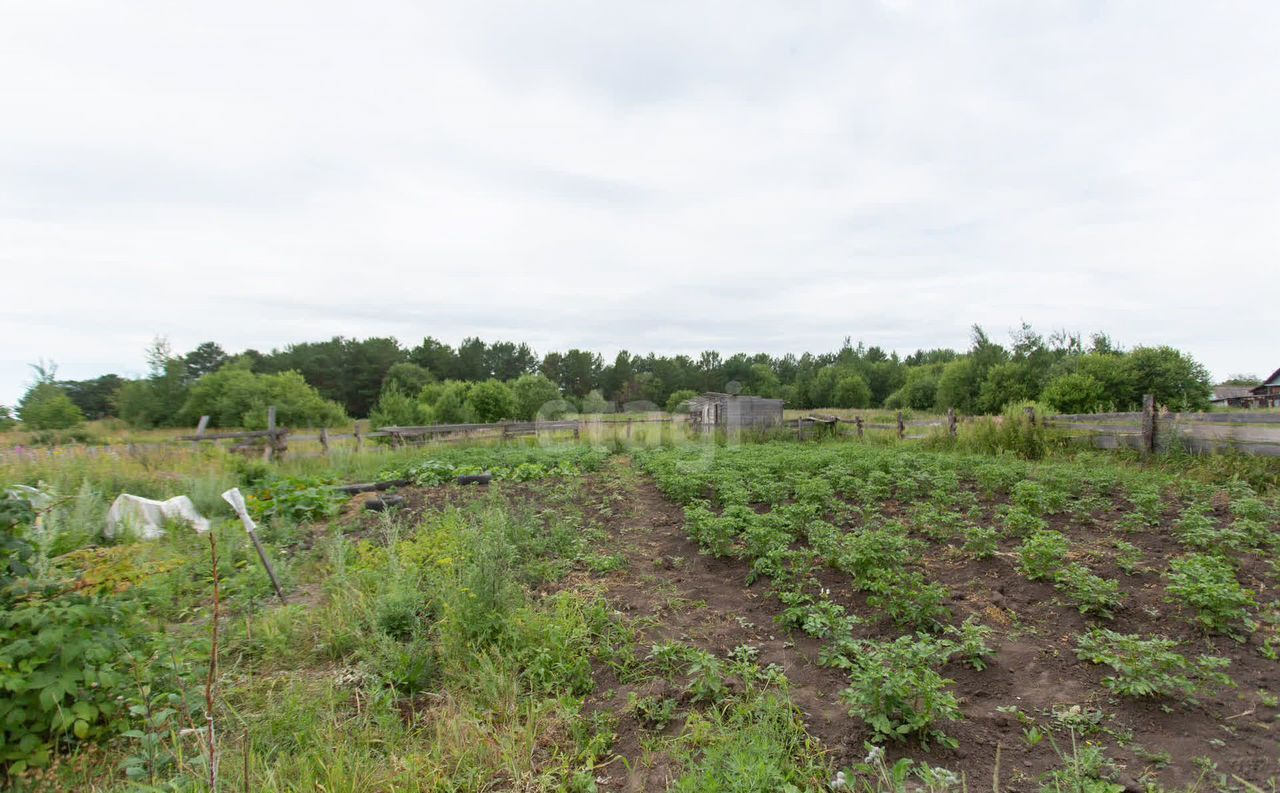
x=902, y=426
x=1148, y=424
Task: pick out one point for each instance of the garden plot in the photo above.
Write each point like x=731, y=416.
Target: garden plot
x=761, y=618
x=972, y=603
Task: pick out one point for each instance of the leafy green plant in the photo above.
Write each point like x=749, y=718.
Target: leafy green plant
x=706, y=677
x=1208, y=584
x=653, y=712
x=1042, y=554
x=874, y=774
x=295, y=498
x=61, y=672
x=909, y=600
x=1085, y=770
x=819, y=618
x=1020, y=522
x=1150, y=667
x=894, y=686
x=1092, y=594
x=1128, y=557
x=970, y=642
x=980, y=542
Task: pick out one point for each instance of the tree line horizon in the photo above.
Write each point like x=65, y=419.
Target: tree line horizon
x=326, y=383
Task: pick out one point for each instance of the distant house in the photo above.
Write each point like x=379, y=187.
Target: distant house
x=1232, y=396
x=1267, y=395
x=730, y=411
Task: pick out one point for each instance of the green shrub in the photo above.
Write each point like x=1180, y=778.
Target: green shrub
x=396, y=408
x=1150, y=667
x=1042, y=554
x=1208, y=584
x=47, y=407
x=679, y=397
x=537, y=397
x=72, y=663
x=492, y=401
x=1075, y=393
x=234, y=396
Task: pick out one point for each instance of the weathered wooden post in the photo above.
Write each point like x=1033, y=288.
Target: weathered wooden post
x=1148, y=424
x=902, y=426
x=276, y=443
x=857, y=422
x=628, y=428
x=1031, y=414
x=359, y=436
x=951, y=422
x=200, y=428
x=800, y=428
x=324, y=441
x=577, y=430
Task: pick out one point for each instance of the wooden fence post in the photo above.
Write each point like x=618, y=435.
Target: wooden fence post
x=951, y=422
x=902, y=426
x=324, y=441
x=359, y=436
x=857, y=422
x=1148, y=424
x=276, y=443
x=1031, y=414
x=200, y=428
x=628, y=428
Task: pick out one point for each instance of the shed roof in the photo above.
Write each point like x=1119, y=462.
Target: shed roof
x=1221, y=392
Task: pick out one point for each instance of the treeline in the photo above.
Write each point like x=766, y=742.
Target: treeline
x=324, y=383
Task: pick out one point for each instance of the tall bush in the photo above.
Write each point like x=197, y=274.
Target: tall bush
x=492, y=401
x=46, y=407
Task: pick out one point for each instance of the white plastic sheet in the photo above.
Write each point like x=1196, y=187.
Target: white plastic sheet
x=145, y=516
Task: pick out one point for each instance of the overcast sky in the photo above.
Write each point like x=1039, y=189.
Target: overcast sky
x=665, y=176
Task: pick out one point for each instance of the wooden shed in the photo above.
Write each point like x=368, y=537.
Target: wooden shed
x=731, y=411
x=1268, y=394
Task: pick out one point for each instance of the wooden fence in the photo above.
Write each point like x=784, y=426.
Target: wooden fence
x=1152, y=430
x=818, y=423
